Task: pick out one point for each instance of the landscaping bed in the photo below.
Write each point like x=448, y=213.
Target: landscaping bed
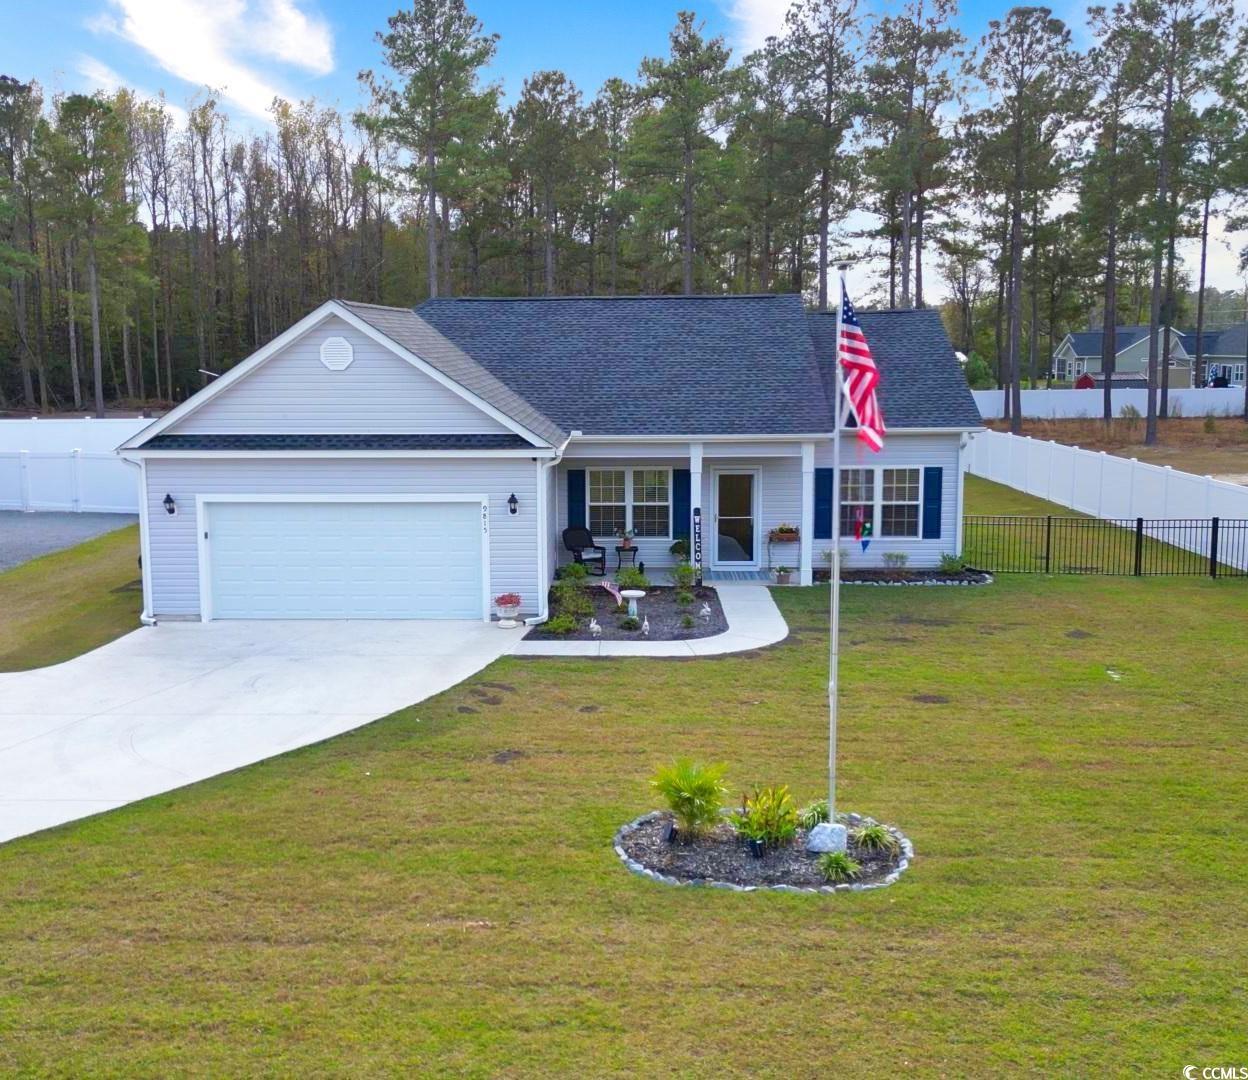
x=885, y=576
x=721, y=856
x=667, y=617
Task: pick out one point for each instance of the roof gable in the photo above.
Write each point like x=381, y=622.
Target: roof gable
x=648, y=365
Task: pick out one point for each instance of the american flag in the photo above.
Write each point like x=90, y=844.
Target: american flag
x=860, y=375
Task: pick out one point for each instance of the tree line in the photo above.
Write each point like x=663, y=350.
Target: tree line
x=1047, y=187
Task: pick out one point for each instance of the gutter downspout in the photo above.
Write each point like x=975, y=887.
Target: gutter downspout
x=146, y=618
x=543, y=611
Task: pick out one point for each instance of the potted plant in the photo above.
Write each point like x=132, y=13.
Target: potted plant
x=784, y=533
x=626, y=538
x=508, y=606
x=783, y=573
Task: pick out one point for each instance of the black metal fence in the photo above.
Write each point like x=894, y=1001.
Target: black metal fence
x=1212, y=547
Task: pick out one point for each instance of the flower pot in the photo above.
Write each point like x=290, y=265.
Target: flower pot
x=757, y=848
x=783, y=579
x=507, y=616
x=785, y=537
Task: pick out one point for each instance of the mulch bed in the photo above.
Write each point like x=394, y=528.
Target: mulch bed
x=658, y=605
x=908, y=577
x=720, y=856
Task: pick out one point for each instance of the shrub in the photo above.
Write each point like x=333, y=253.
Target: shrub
x=686, y=621
x=572, y=598
x=693, y=792
x=632, y=578
x=683, y=575
x=630, y=622
x=1130, y=416
x=573, y=572
x=875, y=838
x=951, y=564
x=684, y=597
x=561, y=624
x=1209, y=425
x=767, y=814
x=836, y=866
x=896, y=560
x=680, y=548
x=814, y=814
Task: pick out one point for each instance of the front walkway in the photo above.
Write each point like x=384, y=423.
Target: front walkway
x=754, y=621
x=171, y=704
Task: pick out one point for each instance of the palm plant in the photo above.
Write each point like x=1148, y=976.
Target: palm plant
x=694, y=793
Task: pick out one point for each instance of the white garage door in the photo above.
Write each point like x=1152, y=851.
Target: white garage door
x=344, y=560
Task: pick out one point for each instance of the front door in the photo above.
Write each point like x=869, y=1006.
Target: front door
x=736, y=533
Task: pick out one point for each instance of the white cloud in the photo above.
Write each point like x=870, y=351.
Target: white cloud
x=97, y=75
x=209, y=42
x=756, y=21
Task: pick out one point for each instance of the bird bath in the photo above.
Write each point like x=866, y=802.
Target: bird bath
x=632, y=596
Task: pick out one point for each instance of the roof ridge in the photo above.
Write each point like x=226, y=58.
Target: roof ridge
x=597, y=296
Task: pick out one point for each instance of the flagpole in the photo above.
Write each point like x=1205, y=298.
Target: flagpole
x=834, y=652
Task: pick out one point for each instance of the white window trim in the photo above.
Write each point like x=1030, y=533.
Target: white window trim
x=878, y=502
x=628, y=471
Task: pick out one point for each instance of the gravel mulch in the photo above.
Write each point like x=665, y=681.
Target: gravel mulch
x=909, y=577
x=720, y=856
x=658, y=605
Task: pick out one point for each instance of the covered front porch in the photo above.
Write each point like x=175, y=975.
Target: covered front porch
x=725, y=499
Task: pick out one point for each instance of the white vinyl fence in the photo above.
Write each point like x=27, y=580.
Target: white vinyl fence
x=68, y=465
x=1103, y=485
x=1089, y=404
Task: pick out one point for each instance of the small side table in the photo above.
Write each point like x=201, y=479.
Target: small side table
x=620, y=552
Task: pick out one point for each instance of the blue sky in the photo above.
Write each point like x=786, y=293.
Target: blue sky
x=251, y=49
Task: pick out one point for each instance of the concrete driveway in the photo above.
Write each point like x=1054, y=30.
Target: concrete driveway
x=175, y=703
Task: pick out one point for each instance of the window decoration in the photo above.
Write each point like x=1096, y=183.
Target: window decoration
x=857, y=500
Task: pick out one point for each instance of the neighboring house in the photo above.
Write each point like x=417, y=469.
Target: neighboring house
x=378, y=462
x=1224, y=355
x=1079, y=353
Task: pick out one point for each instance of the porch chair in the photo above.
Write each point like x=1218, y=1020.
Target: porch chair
x=580, y=541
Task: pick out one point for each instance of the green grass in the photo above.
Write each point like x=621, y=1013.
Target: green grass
x=61, y=605
x=398, y=901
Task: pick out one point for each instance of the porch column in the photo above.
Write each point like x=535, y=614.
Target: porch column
x=695, y=497
x=807, y=567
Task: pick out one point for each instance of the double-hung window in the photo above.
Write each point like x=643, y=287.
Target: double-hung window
x=639, y=500
x=857, y=499
x=899, y=505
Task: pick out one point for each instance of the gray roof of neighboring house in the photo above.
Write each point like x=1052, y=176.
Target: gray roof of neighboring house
x=1229, y=342
x=338, y=442
x=921, y=382
x=1088, y=342
x=407, y=328
x=649, y=365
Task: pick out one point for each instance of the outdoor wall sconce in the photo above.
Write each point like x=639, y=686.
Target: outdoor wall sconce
x=513, y=504
x=170, y=506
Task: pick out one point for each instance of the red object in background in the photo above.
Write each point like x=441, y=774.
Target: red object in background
x=1085, y=382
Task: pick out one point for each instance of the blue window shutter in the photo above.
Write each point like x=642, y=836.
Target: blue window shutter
x=680, y=504
x=576, y=498
x=933, y=482
x=823, y=504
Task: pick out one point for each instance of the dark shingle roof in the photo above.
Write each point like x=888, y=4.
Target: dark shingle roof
x=1088, y=342
x=921, y=381
x=1230, y=342
x=337, y=442
x=648, y=365
x=405, y=327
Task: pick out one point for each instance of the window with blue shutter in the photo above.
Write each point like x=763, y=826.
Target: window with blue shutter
x=576, y=498
x=823, y=504
x=680, y=504
x=933, y=484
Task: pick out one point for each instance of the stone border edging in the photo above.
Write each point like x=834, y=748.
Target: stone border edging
x=907, y=853
x=988, y=580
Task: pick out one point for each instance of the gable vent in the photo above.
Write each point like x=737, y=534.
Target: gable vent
x=336, y=353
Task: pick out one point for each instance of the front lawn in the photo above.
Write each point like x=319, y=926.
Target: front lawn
x=61, y=605
x=436, y=892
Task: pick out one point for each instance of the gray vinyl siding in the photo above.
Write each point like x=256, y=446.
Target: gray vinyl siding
x=380, y=393
x=173, y=547
x=901, y=451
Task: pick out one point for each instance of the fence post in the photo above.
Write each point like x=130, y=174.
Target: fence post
x=1213, y=547
x=1139, y=546
x=1048, y=542
x=23, y=480
x=75, y=464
